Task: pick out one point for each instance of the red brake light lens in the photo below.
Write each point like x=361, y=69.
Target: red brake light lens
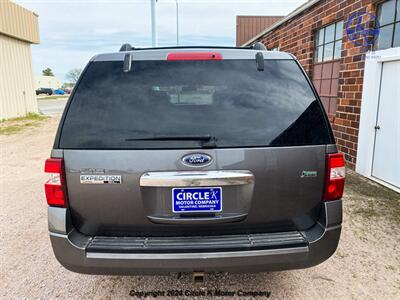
x=54, y=187
x=194, y=56
x=335, y=177
x=53, y=165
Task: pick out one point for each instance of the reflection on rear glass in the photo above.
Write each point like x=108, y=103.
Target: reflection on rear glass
x=229, y=100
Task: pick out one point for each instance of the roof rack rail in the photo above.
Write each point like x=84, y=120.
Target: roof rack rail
x=126, y=47
x=258, y=46
x=255, y=46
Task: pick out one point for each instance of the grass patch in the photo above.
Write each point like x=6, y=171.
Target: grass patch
x=29, y=116
x=372, y=200
x=8, y=130
x=367, y=212
x=17, y=125
x=368, y=188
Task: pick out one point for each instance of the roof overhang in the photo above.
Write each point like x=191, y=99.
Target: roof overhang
x=18, y=22
x=294, y=13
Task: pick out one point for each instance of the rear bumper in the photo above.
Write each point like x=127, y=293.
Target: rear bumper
x=72, y=250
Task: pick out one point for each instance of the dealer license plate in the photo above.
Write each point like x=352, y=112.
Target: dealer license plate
x=198, y=199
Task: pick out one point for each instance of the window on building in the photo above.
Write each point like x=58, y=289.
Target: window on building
x=388, y=14
x=328, y=42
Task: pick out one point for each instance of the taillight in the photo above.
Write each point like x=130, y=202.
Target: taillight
x=336, y=173
x=55, y=186
x=194, y=56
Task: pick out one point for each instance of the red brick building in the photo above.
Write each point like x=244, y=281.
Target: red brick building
x=316, y=34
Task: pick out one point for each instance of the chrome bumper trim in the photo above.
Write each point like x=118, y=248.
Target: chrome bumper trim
x=196, y=178
x=200, y=255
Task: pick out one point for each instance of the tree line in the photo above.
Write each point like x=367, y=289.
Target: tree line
x=72, y=76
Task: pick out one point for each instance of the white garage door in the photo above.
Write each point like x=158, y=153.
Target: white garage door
x=386, y=160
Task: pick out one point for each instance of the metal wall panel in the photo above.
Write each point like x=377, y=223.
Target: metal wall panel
x=17, y=92
x=18, y=22
x=249, y=26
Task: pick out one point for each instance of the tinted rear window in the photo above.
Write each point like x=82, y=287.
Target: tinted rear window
x=227, y=100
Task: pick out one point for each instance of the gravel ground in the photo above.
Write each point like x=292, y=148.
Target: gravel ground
x=365, y=266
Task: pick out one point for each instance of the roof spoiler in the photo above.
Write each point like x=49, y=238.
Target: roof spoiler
x=256, y=46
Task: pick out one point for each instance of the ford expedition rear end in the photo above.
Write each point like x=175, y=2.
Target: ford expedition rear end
x=194, y=159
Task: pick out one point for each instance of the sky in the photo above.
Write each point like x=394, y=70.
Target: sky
x=72, y=31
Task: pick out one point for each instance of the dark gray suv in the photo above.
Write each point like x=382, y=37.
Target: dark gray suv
x=194, y=159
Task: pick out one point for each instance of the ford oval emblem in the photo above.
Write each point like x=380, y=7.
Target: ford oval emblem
x=197, y=159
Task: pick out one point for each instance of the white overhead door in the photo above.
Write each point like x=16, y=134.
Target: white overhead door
x=386, y=159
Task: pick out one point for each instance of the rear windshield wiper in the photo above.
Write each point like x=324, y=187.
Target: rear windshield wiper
x=207, y=141
x=203, y=137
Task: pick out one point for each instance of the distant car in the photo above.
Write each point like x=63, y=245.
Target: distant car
x=46, y=91
x=59, y=92
x=67, y=90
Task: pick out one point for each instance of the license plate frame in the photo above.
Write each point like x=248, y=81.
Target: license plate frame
x=203, y=204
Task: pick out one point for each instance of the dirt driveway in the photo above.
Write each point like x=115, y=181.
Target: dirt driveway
x=365, y=266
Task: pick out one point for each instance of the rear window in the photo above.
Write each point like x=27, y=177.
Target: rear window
x=193, y=104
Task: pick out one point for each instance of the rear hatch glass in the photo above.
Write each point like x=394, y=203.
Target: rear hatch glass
x=193, y=104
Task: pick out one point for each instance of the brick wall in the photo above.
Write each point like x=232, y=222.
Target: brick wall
x=297, y=37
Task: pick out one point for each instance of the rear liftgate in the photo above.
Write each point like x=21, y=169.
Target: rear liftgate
x=197, y=197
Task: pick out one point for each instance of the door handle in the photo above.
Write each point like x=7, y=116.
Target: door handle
x=377, y=127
